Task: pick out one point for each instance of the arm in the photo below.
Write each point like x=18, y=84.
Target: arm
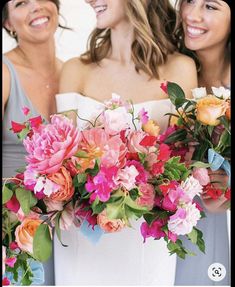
x=69, y=85
x=6, y=79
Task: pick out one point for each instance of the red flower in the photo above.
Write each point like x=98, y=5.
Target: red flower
x=17, y=127
x=164, y=87
x=213, y=192
x=164, y=152
x=158, y=168
x=35, y=122
x=5, y=281
x=13, y=204
x=148, y=141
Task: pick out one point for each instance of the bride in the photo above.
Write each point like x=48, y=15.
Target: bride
x=131, y=53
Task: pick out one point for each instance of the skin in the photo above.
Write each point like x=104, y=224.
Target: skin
x=116, y=73
x=204, y=34
x=34, y=57
x=207, y=36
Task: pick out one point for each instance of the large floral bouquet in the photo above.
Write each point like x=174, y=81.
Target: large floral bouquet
x=115, y=171
x=202, y=126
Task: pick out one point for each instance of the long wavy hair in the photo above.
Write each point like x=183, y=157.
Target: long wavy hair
x=5, y=16
x=153, y=22
x=179, y=36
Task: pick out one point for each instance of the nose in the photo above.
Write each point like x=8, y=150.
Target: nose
x=35, y=5
x=195, y=13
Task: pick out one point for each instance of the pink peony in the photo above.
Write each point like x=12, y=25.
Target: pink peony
x=135, y=139
x=51, y=144
x=126, y=177
x=191, y=187
x=147, y=195
x=154, y=230
x=116, y=120
x=109, y=225
x=201, y=174
x=183, y=221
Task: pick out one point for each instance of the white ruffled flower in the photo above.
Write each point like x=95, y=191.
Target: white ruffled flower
x=191, y=187
x=199, y=93
x=221, y=92
x=183, y=221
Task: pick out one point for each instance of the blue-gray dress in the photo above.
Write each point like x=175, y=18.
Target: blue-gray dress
x=193, y=270
x=13, y=152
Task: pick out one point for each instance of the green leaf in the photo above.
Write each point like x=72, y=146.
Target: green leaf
x=42, y=243
x=57, y=228
x=176, y=94
x=134, y=193
x=95, y=170
x=201, y=151
x=81, y=178
x=26, y=199
x=6, y=194
x=193, y=236
x=98, y=206
x=200, y=241
x=199, y=164
x=178, y=135
x=23, y=134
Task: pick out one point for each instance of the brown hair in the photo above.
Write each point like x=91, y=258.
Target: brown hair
x=179, y=36
x=153, y=22
x=5, y=15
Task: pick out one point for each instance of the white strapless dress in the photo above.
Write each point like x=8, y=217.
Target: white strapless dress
x=118, y=258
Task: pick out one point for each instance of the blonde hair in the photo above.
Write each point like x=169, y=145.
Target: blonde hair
x=153, y=22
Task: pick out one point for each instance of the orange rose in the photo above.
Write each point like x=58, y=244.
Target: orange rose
x=109, y=225
x=25, y=232
x=152, y=128
x=228, y=111
x=64, y=179
x=209, y=109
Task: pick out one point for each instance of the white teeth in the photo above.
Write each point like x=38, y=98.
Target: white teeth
x=39, y=21
x=195, y=31
x=100, y=8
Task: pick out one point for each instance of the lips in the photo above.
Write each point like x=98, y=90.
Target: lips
x=39, y=21
x=99, y=9
x=195, y=31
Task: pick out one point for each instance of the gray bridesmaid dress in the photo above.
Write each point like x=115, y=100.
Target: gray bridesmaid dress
x=193, y=269
x=13, y=152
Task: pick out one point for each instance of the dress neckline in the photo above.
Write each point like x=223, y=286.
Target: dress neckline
x=101, y=103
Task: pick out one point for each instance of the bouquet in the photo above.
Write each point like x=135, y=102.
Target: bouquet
x=116, y=170
x=202, y=126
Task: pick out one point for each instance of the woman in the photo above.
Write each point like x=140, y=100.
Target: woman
x=30, y=76
x=131, y=54
x=203, y=36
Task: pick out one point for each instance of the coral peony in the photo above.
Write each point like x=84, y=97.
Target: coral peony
x=109, y=225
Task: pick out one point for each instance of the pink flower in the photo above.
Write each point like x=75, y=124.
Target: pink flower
x=183, y=221
x=143, y=175
x=51, y=144
x=134, y=145
x=126, y=177
x=154, y=230
x=10, y=261
x=6, y=281
x=115, y=102
x=33, y=215
x=86, y=214
x=116, y=120
x=143, y=116
x=164, y=152
x=109, y=225
x=53, y=205
x=13, y=245
x=147, y=195
x=201, y=174
x=163, y=86
x=67, y=217
x=191, y=187
x=102, y=184
x=35, y=122
x=13, y=204
x=25, y=110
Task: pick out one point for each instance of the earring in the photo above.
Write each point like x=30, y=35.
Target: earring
x=13, y=34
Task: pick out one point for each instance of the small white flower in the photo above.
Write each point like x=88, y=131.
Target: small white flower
x=221, y=92
x=199, y=93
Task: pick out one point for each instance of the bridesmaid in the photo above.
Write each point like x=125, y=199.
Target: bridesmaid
x=204, y=32
x=30, y=77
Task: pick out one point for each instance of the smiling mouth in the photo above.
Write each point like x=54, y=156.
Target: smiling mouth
x=39, y=21
x=194, y=31
x=100, y=9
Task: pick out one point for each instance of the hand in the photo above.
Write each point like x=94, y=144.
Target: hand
x=221, y=204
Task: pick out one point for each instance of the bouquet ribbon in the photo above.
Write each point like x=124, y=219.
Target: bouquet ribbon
x=217, y=161
x=93, y=234
x=37, y=270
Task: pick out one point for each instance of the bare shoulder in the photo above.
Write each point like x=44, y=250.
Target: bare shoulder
x=72, y=75
x=181, y=69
